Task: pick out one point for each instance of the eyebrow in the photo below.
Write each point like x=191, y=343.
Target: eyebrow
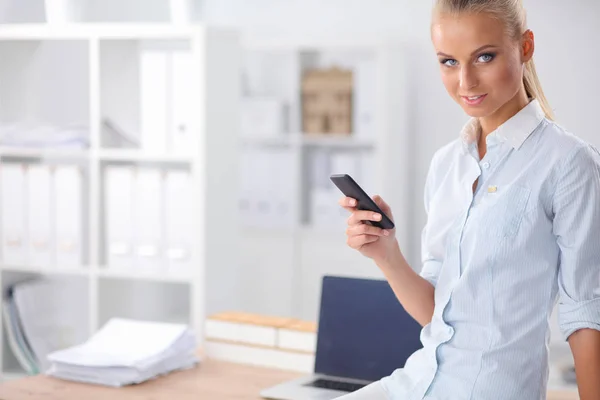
x=476, y=51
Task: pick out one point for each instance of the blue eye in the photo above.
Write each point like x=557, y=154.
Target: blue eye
x=449, y=62
x=487, y=57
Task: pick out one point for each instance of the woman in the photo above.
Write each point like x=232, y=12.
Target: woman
x=513, y=224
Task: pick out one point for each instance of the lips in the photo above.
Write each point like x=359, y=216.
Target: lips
x=474, y=100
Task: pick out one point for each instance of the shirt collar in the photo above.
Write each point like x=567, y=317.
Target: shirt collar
x=514, y=131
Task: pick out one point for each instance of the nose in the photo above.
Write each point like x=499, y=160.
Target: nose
x=468, y=79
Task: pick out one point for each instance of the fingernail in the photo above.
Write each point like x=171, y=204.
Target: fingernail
x=386, y=233
x=376, y=216
x=352, y=202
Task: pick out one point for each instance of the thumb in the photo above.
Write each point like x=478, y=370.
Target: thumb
x=383, y=205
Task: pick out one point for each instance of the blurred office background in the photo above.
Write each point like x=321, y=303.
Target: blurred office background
x=159, y=172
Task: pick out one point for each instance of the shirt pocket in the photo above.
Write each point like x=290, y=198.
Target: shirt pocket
x=504, y=210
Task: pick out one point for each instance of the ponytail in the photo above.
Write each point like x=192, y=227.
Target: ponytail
x=534, y=88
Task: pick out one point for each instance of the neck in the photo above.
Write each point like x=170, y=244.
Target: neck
x=491, y=122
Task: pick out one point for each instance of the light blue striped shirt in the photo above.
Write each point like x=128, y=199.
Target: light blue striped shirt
x=500, y=259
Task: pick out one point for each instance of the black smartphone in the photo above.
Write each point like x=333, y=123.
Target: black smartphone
x=350, y=188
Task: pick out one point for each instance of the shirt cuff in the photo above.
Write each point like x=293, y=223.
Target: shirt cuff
x=579, y=315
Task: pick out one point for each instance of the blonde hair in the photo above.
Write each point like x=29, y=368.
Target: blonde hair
x=513, y=14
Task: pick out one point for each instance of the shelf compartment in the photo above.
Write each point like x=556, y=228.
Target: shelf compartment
x=141, y=300
x=44, y=88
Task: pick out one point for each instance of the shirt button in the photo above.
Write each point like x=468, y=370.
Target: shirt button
x=486, y=165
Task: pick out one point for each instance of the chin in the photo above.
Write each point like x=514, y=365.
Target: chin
x=479, y=111
x=475, y=112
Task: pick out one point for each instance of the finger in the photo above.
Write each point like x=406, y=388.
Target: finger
x=383, y=206
x=356, y=242
x=347, y=202
x=358, y=216
x=365, y=229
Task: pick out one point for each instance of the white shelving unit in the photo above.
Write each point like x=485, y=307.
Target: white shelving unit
x=84, y=73
x=285, y=259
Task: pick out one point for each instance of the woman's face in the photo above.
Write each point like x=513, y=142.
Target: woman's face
x=481, y=66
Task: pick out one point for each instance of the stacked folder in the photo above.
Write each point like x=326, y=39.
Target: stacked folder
x=147, y=218
x=127, y=352
x=42, y=215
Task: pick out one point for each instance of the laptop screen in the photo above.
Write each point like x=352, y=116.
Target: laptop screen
x=364, y=332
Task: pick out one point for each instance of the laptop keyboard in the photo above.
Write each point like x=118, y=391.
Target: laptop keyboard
x=336, y=385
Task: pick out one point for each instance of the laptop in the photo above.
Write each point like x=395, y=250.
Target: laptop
x=364, y=334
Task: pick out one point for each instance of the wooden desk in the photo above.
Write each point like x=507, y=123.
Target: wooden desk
x=211, y=380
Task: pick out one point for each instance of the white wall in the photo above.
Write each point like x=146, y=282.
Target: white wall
x=133, y=10
x=12, y=11
x=30, y=11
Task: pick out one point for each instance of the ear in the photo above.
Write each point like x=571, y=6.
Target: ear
x=527, y=45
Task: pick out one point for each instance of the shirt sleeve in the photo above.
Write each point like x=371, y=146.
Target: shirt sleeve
x=576, y=206
x=431, y=265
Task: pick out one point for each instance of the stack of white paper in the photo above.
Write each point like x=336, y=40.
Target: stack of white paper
x=126, y=352
x=75, y=136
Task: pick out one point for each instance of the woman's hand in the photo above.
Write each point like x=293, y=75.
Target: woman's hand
x=373, y=242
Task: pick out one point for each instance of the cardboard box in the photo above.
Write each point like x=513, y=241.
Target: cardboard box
x=327, y=101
